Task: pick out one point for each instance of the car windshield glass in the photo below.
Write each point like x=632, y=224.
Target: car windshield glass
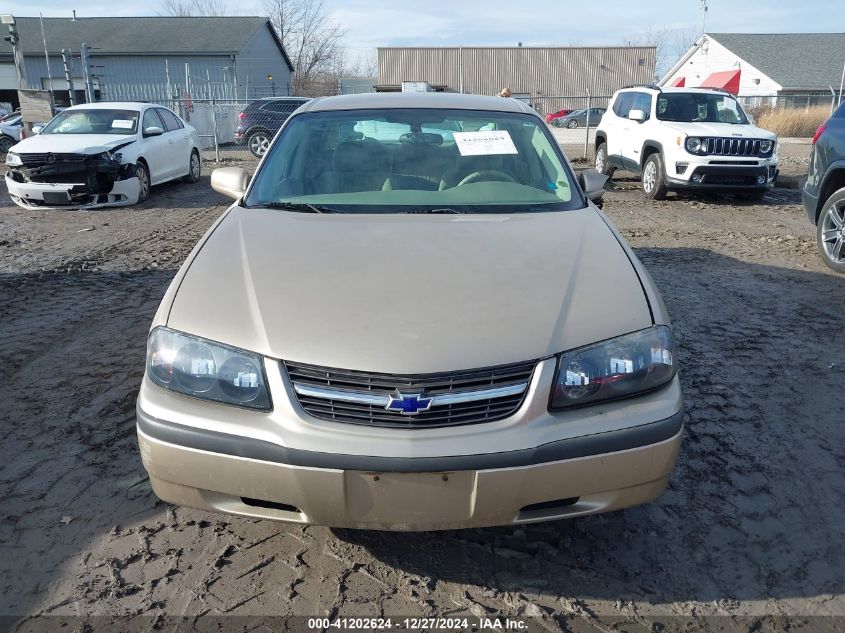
x=416, y=160
x=94, y=121
x=689, y=107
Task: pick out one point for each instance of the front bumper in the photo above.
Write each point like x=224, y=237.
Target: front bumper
x=43, y=195
x=725, y=177
x=572, y=475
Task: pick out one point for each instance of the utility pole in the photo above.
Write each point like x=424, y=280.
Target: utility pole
x=703, y=16
x=67, y=62
x=47, y=59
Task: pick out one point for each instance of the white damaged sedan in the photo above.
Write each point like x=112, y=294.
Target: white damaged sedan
x=102, y=154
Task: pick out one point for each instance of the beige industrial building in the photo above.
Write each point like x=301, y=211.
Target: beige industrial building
x=541, y=75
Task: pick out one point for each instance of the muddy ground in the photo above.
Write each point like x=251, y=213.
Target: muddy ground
x=753, y=522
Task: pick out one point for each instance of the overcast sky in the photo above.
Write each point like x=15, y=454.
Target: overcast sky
x=371, y=23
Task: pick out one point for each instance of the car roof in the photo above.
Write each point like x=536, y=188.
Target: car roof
x=674, y=90
x=438, y=100
x=115, y=105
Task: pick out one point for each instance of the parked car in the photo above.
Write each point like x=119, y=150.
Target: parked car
x=685, y=139
x=411, y=333
x=261, y=119
x=10, y=131
x=578, y=118
x=824, y=191
x=102, y=154
x=551, y=116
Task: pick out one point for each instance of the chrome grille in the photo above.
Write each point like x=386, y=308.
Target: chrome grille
x=733, y=146
x=325, y=393
x=41, y=159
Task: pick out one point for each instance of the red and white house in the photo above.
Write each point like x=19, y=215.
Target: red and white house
x=787, y=68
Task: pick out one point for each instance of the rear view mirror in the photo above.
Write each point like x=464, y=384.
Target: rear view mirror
x=637, y=115
x=153, y=131
x=230, y=181
x=36, y=129
x=592, y=182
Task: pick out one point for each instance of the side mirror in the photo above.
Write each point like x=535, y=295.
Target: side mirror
x=36, y=129
x=230, y=181
x=153, y=131
x=637, y=115
x=592, y=182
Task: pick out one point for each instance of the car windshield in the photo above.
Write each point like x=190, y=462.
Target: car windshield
x=93, y=121
x=415, y=160
x=689, y=107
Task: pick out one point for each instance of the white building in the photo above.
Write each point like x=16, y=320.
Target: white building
x=790, y=68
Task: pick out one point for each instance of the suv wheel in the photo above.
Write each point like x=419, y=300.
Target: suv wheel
x=259, y=143
x=654, y=185
x=602, y=166
x=830, y=231
x=6, y=143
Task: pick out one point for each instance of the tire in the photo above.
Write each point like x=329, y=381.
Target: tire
x=142, y=173
x=830, y=231
x=572, y=124
x=194, y=168
x=654, y=184
x=6, y=143
x=259, y=142
x=602, y=166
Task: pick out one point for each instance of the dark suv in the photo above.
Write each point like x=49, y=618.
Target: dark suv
x=824, y=192
x=260, y=120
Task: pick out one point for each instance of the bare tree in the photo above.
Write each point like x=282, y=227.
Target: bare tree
x=312, y=40
x=183, y=8
x=670, y=43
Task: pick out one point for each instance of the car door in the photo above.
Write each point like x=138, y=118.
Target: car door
x=154, y=148
x=178, y=143
x=638, y=133
x=617, y=127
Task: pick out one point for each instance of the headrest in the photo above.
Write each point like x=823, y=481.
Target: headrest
x=352, y=156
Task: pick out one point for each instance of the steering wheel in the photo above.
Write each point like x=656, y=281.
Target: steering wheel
x=486, y=174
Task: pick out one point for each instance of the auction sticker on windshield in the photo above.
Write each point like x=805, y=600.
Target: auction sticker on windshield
x=485, y=143
x=122, y=124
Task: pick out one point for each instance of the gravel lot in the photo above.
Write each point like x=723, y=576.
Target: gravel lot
x=752, y=525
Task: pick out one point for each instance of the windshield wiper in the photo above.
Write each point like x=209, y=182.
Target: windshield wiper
x=443, y=210
x=302, y=207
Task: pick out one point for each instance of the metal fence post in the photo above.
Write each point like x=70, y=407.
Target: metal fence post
x=587, y=125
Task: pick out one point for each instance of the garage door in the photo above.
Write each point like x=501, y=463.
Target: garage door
x=8, y=77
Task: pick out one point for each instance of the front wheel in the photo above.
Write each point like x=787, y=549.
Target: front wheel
x=259, y=143
x=602, y=165
x=6, y=143
x=194, y=167
x=654, y=185
x=572, y=124
x=830, y=231
x=142, y=173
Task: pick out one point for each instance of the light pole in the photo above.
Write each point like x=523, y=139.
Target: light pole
x=273, y=84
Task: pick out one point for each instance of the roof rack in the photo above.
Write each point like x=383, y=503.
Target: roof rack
x=652, y=85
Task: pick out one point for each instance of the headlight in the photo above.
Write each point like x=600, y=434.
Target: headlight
x=196, y=367
x=693, y=145
x=623, y=366
x=766, y=147
x=13, y=159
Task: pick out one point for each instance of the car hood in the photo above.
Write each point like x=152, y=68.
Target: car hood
x=699, y=128
x=72, y=143
x=406, y=293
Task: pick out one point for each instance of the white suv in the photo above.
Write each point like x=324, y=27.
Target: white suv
x=685, y=138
